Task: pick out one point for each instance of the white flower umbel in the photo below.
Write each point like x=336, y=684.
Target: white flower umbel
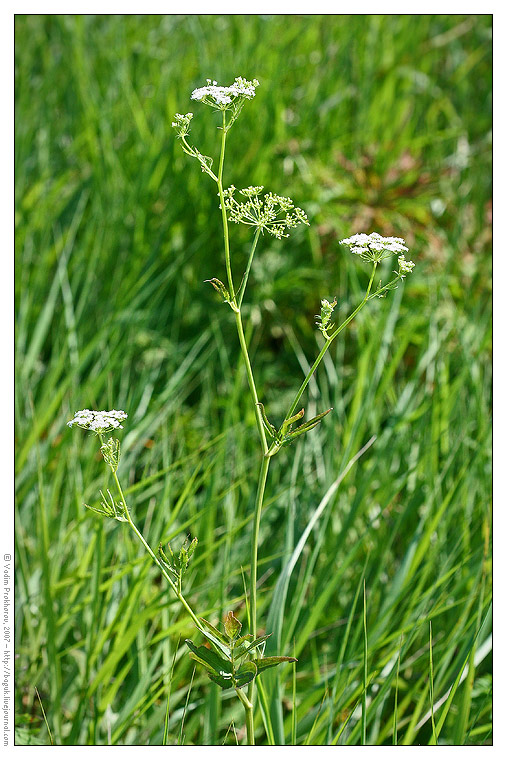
x=98, y=422
x=221, y=97
x=374, y=247
x=272, y=213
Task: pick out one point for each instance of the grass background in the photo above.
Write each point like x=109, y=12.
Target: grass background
x=369, y=123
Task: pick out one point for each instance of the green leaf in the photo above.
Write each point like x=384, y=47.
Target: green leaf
x=225, y=683
x=222, y=648
x=220, y=288
x=267, y=424
x=258, y=641
x=206, y=656
x=287, y=423
x=202, y=662
x=307, y=426
x=218, y=634
x=242, y=640
x=272, y=662
x=245, y=674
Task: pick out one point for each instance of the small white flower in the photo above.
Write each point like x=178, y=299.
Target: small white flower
x=216, y=95
x=99, y=422
x=374, y=247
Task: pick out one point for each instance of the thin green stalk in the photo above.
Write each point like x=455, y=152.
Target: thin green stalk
x=44, y=716
x=234, y=303
x=251, y=383
x=224, y=215
x=263, y=475
x=259, y=499
x=250, y=738
x=154, y=557
x=247, y=270
x=177, y=590
x=326, y=345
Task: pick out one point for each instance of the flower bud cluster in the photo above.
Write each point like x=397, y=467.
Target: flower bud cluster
x=323, y=320
x=99, y=422
x=181, y=123
x=271, y=213
x=404, y=267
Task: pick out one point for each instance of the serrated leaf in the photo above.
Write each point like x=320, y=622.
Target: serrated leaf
x=192, y=547
x=245, y=674
x=272, y=662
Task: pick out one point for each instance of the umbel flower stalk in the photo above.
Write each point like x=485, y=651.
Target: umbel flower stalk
x=275, y=215
x=230, y=660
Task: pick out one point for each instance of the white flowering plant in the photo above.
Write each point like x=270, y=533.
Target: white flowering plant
x=230, y=660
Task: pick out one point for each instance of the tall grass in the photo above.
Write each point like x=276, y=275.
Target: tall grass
x=375, y=122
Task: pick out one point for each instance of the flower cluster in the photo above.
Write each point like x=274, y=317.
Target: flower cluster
x=99, y=422
x=272, y=213
x=404, y=266
x=181, y=123
x=223, y=97
x=374, y=247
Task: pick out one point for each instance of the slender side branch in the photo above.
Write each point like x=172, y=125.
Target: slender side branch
x=247, y=270
x=154, y=557
x=327, y=344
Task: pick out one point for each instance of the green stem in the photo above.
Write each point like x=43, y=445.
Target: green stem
x=247, y=270
x=250, y=738
x=234, y=303
x=326, y=345
x=259, y=499
x=154, y=557
x=191, y=152
x=224, y=215
x=251, y=382
x=386, y=287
